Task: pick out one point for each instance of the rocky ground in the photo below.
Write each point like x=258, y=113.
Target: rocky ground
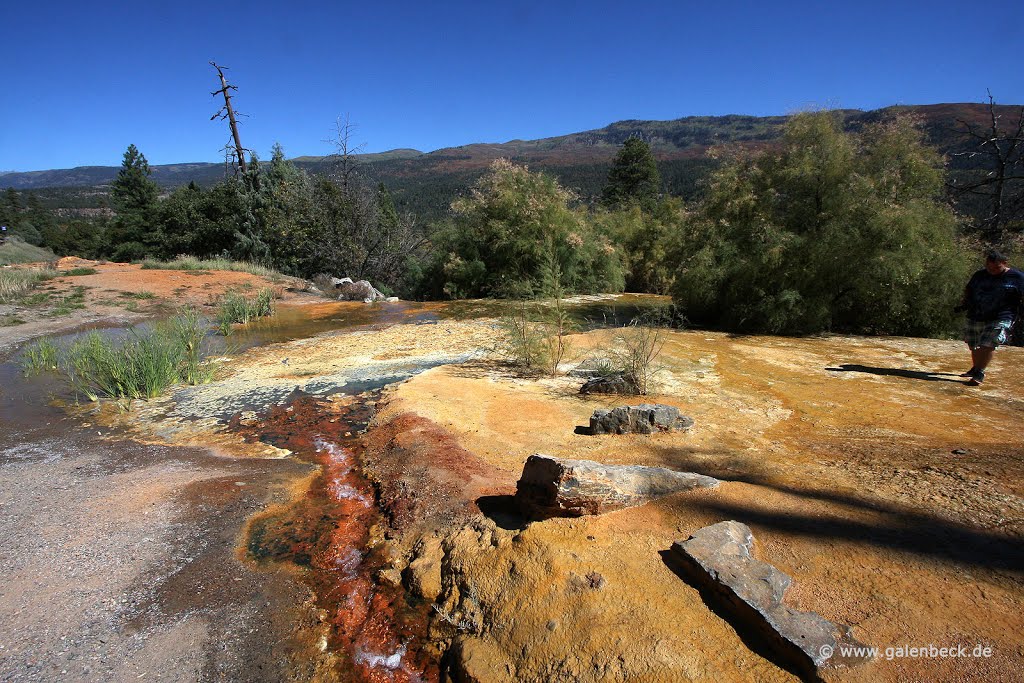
x=866, y=470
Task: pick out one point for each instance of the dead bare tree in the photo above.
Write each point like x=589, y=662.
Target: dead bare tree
x=344, y=161
x=228, y=112
x=998, y=153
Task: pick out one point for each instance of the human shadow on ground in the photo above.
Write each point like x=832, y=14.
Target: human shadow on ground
x=900, y=372
x=889, y=524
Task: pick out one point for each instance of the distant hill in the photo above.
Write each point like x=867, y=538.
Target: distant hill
x=426, y=182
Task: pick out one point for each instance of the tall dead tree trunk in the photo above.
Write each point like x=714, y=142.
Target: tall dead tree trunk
x=999, y=153
x=228, y=112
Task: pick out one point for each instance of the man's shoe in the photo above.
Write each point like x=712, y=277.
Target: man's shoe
x=977, y=379
x=969, y=373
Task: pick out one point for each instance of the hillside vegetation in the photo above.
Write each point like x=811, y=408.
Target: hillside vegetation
x=829, y=220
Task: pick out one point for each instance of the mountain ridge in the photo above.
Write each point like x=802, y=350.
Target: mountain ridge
x=684, y=137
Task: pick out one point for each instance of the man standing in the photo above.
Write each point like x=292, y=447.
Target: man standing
x=992, y=298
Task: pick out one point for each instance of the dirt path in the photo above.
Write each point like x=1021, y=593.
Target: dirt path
x=118, y=561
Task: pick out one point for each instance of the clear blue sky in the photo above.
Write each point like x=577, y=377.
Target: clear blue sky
x=83, y=80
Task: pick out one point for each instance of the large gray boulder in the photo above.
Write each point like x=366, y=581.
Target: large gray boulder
x=718, y=559
x=559, y=487
x=645, y=418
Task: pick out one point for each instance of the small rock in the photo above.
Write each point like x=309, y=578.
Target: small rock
x=558, y=487
x=617, y=383
x=960, y=451
x=390, y=577
x=423, y=575
x=718, y=558
x=645, y=418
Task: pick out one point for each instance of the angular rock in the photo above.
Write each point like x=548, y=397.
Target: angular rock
x=718, y=559
x=558, y=487
x=645, y=418
x=617, y=383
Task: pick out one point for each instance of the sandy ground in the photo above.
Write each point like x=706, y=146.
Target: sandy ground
x=118, y=562
x=122, y=293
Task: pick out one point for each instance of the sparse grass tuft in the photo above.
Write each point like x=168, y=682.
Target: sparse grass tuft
x=39, y=357
x=235, y=308
x=79, y=271
x=68, y=303
x=141, y=366
x=191, y=263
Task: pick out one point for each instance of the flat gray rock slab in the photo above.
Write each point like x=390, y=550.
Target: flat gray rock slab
x=559, y=487
x=718, y=558
x=646, y=418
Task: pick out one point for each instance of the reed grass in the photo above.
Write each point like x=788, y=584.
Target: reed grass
x=142, y=365
x=235, y=308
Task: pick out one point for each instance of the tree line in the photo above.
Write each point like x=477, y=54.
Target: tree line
x=827, y=230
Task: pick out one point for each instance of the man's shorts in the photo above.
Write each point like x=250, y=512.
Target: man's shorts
x=991, y=333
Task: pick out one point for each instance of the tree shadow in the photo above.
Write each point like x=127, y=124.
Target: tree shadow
x=900, y=372
x=899, y=529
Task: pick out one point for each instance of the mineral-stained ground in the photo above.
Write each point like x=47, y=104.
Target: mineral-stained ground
x=887, y=489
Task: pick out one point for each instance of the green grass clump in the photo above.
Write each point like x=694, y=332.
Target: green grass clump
x=235, y=308
x=17, y=282
x=40, y=357
x=16, y=250
x=191, y=263
x=80, y=271
x=71, y=302
x=141, y=366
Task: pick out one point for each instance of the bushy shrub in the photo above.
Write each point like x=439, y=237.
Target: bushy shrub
x=504, y=232
x=834, y=231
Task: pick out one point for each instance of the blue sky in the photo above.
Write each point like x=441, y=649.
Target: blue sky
x=83, y=80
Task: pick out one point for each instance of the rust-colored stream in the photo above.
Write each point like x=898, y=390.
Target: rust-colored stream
x=327, y=531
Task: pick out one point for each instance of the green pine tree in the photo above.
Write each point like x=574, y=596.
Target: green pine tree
x=633, y=177
x=134, y=195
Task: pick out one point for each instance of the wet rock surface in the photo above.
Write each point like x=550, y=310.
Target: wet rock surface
x=718, y=559
x=559, y=487
x=646, y=418
x=370, y=630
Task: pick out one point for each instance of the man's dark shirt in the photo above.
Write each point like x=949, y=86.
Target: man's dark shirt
x=994, y=297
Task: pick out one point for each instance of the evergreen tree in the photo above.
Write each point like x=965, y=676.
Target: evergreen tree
x=132, y=235
x=633, y=177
